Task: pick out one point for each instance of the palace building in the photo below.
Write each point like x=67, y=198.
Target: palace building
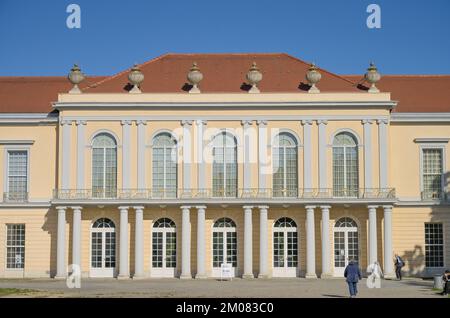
x=188, y=162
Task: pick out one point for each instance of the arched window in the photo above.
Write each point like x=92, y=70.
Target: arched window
x=345, y=165
x=164, y=247
x=285, y=168
x=164, y=166
x=224, y=165
x=104, y=166
x=285, y=248
x=224, y=244
x=103, y=248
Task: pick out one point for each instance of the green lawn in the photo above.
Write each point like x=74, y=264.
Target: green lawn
x=15, y=291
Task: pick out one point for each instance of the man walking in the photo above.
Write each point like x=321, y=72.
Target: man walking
x=399, y=263
x=352, y=275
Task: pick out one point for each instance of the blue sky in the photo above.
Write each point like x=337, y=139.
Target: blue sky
x=34, y=38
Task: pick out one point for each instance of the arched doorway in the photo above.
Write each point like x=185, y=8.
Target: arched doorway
x=103, y=248
x=285, y=248
x=164, y=248
x=346, y=244
x=224, y=245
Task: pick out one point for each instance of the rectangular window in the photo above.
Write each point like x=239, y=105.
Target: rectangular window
x=17, y=175
x=15, y=246
x=434, y=245
x=432, y=168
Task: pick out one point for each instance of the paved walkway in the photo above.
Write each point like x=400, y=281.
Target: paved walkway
x=257, y=288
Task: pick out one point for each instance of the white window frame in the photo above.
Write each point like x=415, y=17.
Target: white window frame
x=276, y=150
x=423, y=147
x=357, y=147
x=6, y=166
x=443, y=245
x=6, y=248
x=225, y=172
x=165, y=149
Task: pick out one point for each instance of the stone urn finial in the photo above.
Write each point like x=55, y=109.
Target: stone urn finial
x=254, y=76
x=372, y=76
x=313, y=77
x=194, y=77
x=136, y=77
x=75, y=77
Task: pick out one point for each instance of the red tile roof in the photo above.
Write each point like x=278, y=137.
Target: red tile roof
x=225, y=73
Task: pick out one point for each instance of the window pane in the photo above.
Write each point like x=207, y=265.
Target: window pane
x=434, y=245
x=15, y=246
x=432, y=171
x=17, y=174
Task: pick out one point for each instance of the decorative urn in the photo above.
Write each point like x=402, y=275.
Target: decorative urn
x=75, y=77
x=313, y=77
x=254, y=76
x=136, y=77
x=372, y=76
x=194, y=77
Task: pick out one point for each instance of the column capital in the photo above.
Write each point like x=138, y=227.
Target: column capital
x=382, y=121
x=186, y=123
x=122, y=208
x=325, y=207
x=372, y=207
x=387, y=207
x=80, y=122
x=261, y=122
x=185, y=207
x=246, y=123
x=245, y=207
x=64, y=122
x=322, y=122
x=76, y=208
x=367, y=121
x=263, y=207
x=200, y=207
x=141, y=122
x=61, y=208
x=201, y=122
x=310, y=207
x=126, y=122
x=139, y=207
x=305, y=122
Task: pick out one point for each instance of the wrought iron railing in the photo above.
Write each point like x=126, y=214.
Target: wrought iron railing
x=15, y=197
x=250, y=193
x=433, y=195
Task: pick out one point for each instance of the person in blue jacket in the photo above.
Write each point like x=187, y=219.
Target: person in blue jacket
x=352, y=274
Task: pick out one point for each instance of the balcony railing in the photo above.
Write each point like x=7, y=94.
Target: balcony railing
x=252, y=193
x=433, y=195
x=12, y=197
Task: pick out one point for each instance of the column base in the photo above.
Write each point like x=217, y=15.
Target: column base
x=311, y=276
x=326, y=275
x=60, y=277
x=123, y=277
x=137, y=277
x=390, y=276
x=201, y=276
x=263, y=276
x=185, y=276
x=248, y=276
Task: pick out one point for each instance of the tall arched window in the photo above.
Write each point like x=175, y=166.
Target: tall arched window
x=345, y=165
x=164, y=165
x=285, y=247
x=164, y=248
x=285, y=170
x=346, y=244
x=224, y=165
x=103, y=248
x=104, y=166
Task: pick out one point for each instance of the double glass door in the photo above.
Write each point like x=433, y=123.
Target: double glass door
x=346, y=244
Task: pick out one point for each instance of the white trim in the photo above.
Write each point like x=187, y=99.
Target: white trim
x=104, y=131
x=420, y=117
x=367, y=127
x=141, y=142
x=348, y=130
x=228, y=131
x=81, y=139
x=322, y=137
x=439, y=140
x=286, y=130
x=307, y=154
x=172, y=134
x=126, y=154
x=16, y=142
x=28, y=118
x=432, y=146
x=7, y=149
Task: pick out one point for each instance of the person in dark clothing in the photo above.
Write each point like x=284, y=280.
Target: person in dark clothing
x=352, y=274
x=446, y=280
x=399, y=263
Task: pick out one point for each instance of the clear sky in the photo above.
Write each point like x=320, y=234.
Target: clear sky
x=34, y=40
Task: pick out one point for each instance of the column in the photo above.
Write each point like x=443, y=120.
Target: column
x=201, y=248
x=124, y=271
x=247, y=169
x=248, y=243
x=323, y=184
x=76, y=236
x=367, y=124
x=383, y=152
x=65, y=154
x=185, y=243
x=141, y=125
x=310, y=243
x=81, y=147
x=372, y=234
x=326, y=271
x=388, y=267
x=307, y=154
x=262, y=154
x=263, y=246
x=61, y=271
x=126, y=154
x=187, y=154
x=139, y=243
x=201, y=163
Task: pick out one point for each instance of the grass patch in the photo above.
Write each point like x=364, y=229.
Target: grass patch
x=15, y=291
